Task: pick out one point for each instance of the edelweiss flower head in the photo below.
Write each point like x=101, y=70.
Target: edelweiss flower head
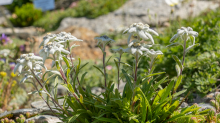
x=153, y=54
x=48, y=38
x=66, y=37
x=52, y=48
x=142, y=30
x=27, y=60
x=184, y=32
x=5, y=52
x=121, y=50
x=104, y=40
x=136, y=47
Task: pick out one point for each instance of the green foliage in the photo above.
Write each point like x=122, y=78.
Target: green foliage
x=95, y=8
x=84, y=8
x=26, y=15
x=201, y=69
x=17, y=3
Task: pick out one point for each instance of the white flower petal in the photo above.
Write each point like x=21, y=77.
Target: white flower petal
x=133, y=50
x=150, y=37
x=129, y=37
x=142, y=35
x=174, y=37
x=140, y=52
x=16, y=67
x=154, y=32
x=29, y=64
x=20, y=67
x=132, y=30
x=125, y=31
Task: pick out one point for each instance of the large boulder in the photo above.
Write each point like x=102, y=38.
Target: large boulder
x=146, y=11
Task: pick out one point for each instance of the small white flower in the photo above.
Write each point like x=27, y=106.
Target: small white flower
x=153, y=54
x=136, y=47
x=104, y=40
x=5, y=52
x=121, y=50
x=142, y=30
x=185, y=33
x=27, y=60
x=52, y=48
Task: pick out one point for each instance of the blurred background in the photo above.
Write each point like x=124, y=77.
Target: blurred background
x=24, y=23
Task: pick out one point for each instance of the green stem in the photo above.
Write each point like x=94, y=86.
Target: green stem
x=103, y=60
x=119, y=70
x=184, y=54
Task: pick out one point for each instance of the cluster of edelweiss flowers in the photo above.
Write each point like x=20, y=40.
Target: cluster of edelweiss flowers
x=135, y=47
x=55, y=46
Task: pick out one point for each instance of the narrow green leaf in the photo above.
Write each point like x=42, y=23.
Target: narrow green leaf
x=178, y=82
x=73, y=118
x=81, y=98
x=109, y=120
x=173, y=44
x=192, y=46
x=99, y=70
x=178, y=61
x=66, y=61
x=83, y=65
x=82, y=77
x=108, y=60
x=57, y=65
x=128, y=79
x=116, y=63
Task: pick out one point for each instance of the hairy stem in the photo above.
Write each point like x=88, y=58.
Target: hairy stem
x=184, y=54
x=119, y=70
x=103, y=60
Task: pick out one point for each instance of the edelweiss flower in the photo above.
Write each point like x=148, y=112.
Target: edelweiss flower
x=52, y=48
x=153, y=54
x=62, y=37
x=186, y=32
x=48, y=38
x=142, y=30
x=66, y=37
x=5, y=52
x=104, y=40
x=121, y=50
x=29, y=60
x=135, y=47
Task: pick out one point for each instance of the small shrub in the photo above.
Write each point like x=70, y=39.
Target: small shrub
x=26, y=15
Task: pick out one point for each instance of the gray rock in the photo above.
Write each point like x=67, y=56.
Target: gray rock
x=183, y=105
x=205, y=99
x=96, y=90
x=206, y=106
x=23, y=33
x=61, y=90
x=16, y=113
x=43, y=119
x=151, y=12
